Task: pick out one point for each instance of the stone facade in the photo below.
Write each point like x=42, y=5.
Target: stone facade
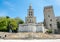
x=58, y=18
x=30, y=23
x=50, y=21
x=31, y=28
x=30, y=18
x=58, y=23
x=49, y=18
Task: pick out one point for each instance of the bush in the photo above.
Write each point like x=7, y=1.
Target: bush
x=49, y=31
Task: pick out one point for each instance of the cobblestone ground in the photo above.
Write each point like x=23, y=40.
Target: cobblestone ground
x=25, y=35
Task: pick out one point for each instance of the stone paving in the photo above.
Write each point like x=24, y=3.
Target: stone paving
x=29, y=35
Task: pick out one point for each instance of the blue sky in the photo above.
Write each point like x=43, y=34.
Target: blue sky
x=19, y=8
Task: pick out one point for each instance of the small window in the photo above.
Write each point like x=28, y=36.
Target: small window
x=48, y=15
x=50, y=25
x=50, y=19
x=30, y=20
x=29, y=14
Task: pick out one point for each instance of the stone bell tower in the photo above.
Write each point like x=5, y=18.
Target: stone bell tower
x=30, y=17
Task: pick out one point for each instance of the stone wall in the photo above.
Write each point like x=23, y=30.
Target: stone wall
x=30, y=35
x=31, y=28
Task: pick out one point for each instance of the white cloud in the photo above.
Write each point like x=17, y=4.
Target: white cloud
x=9, y=5
x=12, y=9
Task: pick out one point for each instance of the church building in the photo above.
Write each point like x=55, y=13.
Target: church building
x=30, y=24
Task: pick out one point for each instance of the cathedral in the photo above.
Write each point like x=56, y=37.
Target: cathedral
x=30, y=24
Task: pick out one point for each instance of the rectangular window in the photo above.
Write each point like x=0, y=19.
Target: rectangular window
x=50, y=25
x=48, y=15
x=50, y=19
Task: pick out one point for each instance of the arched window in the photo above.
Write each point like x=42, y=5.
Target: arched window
x=30, y=20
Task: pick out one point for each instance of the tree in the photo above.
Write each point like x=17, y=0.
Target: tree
x=58, y=24
x=19, y=21
x=13, y=24
x=3, y=24
x=7, y=17
x=7, y=23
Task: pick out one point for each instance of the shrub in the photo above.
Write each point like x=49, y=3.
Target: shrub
x=49, y=31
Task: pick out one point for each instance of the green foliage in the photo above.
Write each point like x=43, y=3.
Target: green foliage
x=13, y=24
x=58, y=24
x=6, y=23
x=19, y=21
x=7, y=17
x=3, y=23
x=49, y=31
